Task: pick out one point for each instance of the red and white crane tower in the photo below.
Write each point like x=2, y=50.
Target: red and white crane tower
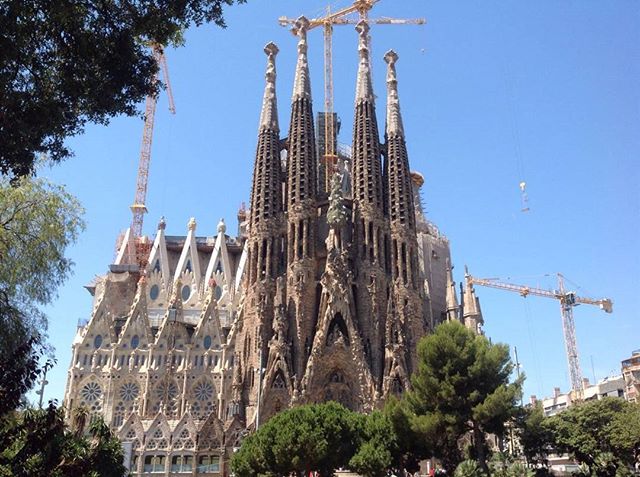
x=138, y=246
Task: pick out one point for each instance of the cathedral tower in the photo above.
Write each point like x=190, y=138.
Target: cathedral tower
x=405, y=324
x=301, y=210
x=370, y=229
x=265, y=245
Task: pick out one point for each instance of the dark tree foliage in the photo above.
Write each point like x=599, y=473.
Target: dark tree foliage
x=318, y=437
x=66, y=63
x=378, y=447
x=604, y=435
x=461, y=387
x=18, y=373
x=535, y=436
x=37, y=442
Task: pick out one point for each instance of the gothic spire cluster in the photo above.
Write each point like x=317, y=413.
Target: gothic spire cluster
x=321, y=296
x=350, y=286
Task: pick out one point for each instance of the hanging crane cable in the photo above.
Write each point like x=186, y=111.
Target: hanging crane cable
x=515, y=135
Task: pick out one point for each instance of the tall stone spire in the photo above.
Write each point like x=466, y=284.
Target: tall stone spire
x=370, y=227
x=364, y=87
x=394, y=120
x=266, y=195
x=453, y=308
x=401, y=207
x=266, y=226
x=301, y=82
x=471, y=314
x=302, y=209
x=366, y=166
x=301, y=158
x=405, y=268
x=269, y=113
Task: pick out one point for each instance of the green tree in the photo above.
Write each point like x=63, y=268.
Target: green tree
x=535, y=437
x=625, y=433
x=411, y=446
x=63, y=64
x=378, y=449
x=461, y=386
x=36, y=442
x=320, y=437
x=38, y=221
x=598, y=435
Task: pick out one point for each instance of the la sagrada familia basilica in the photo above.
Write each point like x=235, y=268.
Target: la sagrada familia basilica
x=333, y=277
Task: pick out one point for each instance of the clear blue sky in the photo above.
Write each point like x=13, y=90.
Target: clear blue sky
x=491, y=92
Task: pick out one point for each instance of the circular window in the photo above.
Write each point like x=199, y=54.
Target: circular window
x=218, y=292
x=154, y=292
x=90, y=392
x=207, y=342
x=203, y=391
x=135, y=341
x=129, y=391
x=97, y=341
x=186, y=292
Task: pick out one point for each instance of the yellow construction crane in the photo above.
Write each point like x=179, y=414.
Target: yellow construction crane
x=139, y=208
x=568, y=300
x=339, y=17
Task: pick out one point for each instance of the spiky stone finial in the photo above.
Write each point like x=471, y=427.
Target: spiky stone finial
x=162, y=224
x=301, y=83
x=222, y=227
x=192, y=224
x=394, y=119
x=364, y=89
x=269, y=114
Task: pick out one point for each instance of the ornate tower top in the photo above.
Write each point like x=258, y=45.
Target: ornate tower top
x=394, y=120
x=301, y=83
x=269, y=114
x=222, y=227
x=452, y=299
x=364, y=89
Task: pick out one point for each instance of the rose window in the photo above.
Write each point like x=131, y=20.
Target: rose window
x=168, y=390
x=203, y=391
x=129, y=391
x=90, y=392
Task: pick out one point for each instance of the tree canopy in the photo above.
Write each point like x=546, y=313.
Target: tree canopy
x=461, y=386
x=63, y=64
x=604, y=434
x=38, y=221
x=306, y=438
x=37, y=442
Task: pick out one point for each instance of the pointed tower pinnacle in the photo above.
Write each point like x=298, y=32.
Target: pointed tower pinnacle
x=301, y=83
x=301, y=158
x=366, y=165
x=394, y=120
x=266, y=191
x=471, y=312
x=364, y=88
x=452, y=298
x=269, y=114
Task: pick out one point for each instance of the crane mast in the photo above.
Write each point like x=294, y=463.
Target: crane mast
x=362, y=7
x=139, y=208
x=568, y=300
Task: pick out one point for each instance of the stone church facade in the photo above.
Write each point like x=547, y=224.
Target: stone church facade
x=322, y=295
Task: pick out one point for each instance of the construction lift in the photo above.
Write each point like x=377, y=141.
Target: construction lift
x=339, y=17
x=568, y=300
